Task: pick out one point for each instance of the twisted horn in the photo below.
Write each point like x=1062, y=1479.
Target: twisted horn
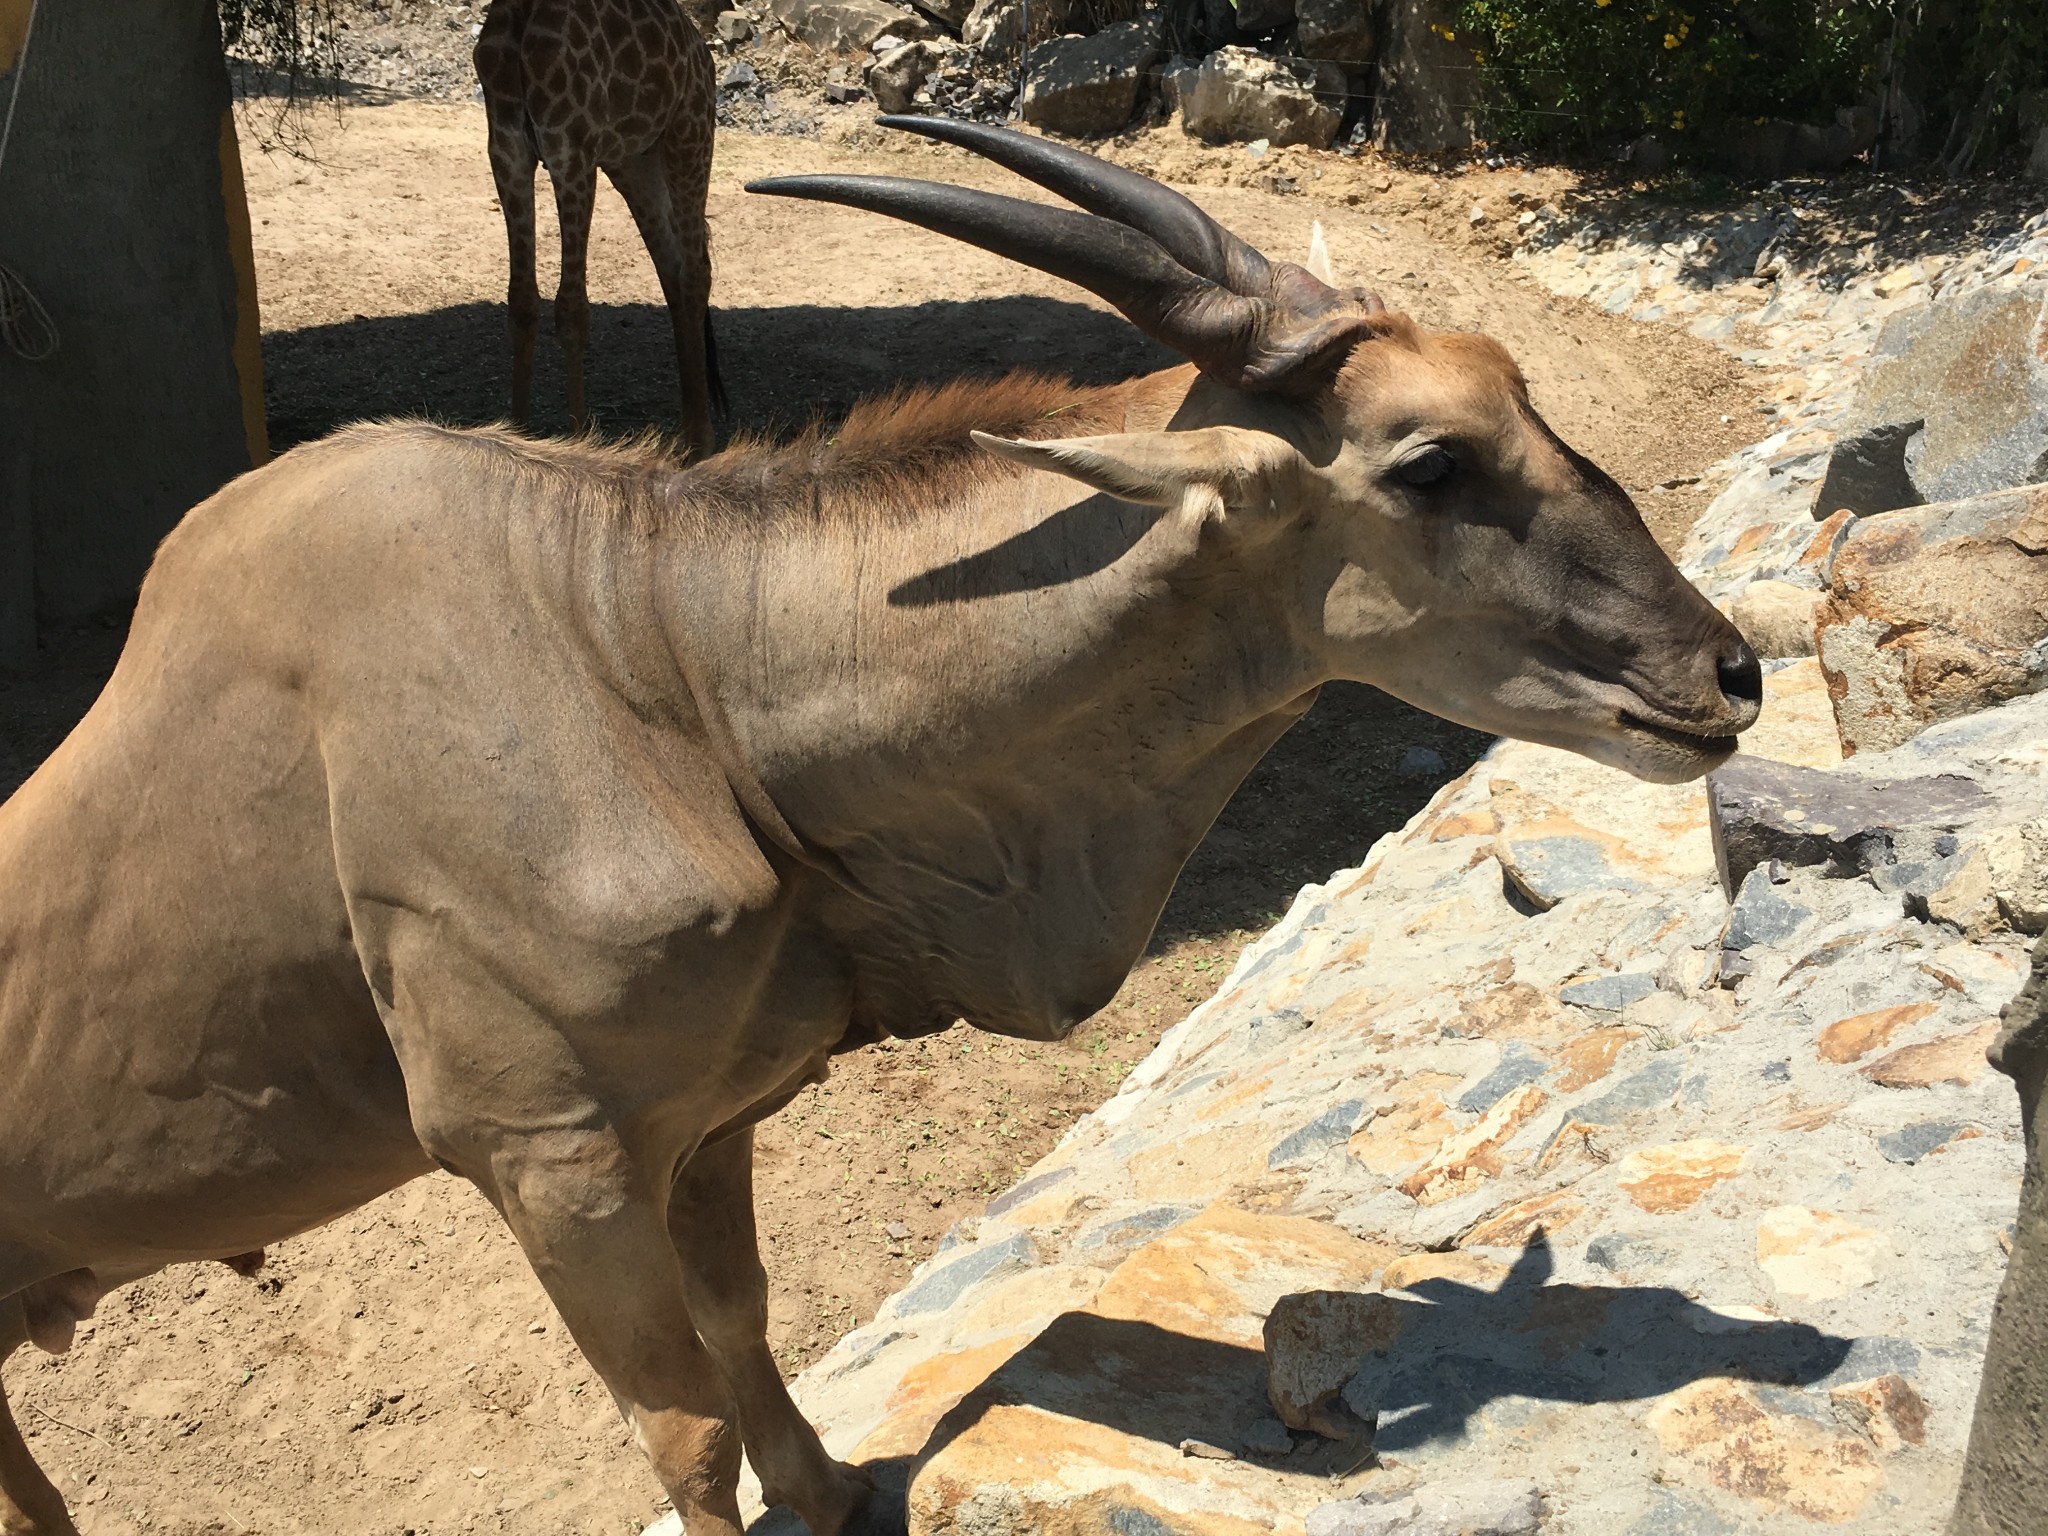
x=1256, y=342
x=1207, y=324
x=1188, y=235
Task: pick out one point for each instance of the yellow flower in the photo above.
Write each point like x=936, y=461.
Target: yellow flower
x=1602, y=4
x=1670, y=41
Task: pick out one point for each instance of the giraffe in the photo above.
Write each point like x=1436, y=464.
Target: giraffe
x=625, y=86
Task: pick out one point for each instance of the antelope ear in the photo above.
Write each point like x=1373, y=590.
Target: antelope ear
x=1241, y=467
x=1318, y=262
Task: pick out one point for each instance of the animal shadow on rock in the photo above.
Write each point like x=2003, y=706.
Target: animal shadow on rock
x=1458, y=1352
x=781, y=366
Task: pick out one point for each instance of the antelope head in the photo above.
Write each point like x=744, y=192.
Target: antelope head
x=1449, y=547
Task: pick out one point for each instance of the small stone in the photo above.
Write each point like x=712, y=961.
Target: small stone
x=1420, y=763
x=536, y=1327
x=1206, y=1451
x=1477, y=216
x=1609, y=993
x=1314, y=1343
x=1761, y=915
x=843, y=92
x=896, y=1231
x=1268, y=1437
x=738, y=75
x=733, y=26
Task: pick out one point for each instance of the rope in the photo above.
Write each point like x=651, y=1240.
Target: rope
x=25, y=325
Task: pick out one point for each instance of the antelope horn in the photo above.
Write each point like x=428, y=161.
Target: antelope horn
x=1247, y=342
x=1188, y=235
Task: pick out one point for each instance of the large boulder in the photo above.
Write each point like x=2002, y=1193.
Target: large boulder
x=1334, y=29
x=1935, y=612
x=846, y=26
x=1778, y=147
x=1243, y=95
x=1426, y=86
x=898, y=75
x=1089, y=85
x=1973, y=370
x=994, y=27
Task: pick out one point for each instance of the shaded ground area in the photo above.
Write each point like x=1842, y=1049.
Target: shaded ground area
x=400, y=1370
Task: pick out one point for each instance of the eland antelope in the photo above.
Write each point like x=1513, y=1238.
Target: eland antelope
x=552, y=812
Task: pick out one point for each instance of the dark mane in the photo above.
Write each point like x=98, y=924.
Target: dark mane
x=905, y=448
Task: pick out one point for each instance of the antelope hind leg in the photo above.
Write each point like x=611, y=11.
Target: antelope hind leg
x=29, y=1504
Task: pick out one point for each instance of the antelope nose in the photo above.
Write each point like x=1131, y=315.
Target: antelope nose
x=1741, y=677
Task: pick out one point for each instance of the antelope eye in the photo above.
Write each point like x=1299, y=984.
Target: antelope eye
x=1426, y=467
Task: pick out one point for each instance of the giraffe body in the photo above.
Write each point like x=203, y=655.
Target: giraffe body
x=626, y=87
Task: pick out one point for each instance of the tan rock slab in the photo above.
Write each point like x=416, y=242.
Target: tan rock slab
x=1518, y=1225
x=1886, y=1408
x=1816, y=1255
x=1218, y=1275
x=1721, y=1432
x=1467, y=1158
x=1591, y=1057
x=1951, y=1059
x=1673, y=1177
x=1411, y=1269
x=1394, y=1142
x=1195, y=1166
x=1852, y=1039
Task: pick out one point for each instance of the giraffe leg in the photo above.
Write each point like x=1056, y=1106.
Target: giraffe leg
x=645, y=187
x=711, y=1219
x=575, y=178
x=29, y=1504
x=686, y=162
x=512, y=165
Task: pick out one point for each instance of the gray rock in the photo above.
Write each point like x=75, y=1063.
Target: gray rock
x=1518, y=1065
x=1425, y=85
x=843, y=92
x=1030, y=1189
x=1239, y=94
x=1914, y=1142
x=738, y=75
x=1268, y=1437
x=846, y=26
x=1969, y=367
x=1331, y=1127
x=945, y=1285
x=1622, y=1251
x=1089, y=85
x=1867, y=471
x=733, y=26
x=1761, y=915
x=898, y=75
x=993, y=27
x=1334, y=29
x=1475, y=1507
x=1759, y=810
x=1612, y=993
x=952, y=14
x=1669, y=1515
x=1652, y=1086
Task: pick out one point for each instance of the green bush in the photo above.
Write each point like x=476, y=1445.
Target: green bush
x=1594, y=71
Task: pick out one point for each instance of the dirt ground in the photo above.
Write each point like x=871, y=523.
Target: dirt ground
x=400, y=1371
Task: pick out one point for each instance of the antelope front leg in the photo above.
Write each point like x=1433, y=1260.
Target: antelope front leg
x=2005, y=1473
x=711, y=1218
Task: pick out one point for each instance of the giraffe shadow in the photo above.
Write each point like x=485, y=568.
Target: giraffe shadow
x=781, y=366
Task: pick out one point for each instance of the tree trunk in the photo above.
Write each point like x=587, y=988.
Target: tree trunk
x=121, y=208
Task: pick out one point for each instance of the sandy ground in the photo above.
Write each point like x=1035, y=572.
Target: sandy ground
x=400, y=1371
